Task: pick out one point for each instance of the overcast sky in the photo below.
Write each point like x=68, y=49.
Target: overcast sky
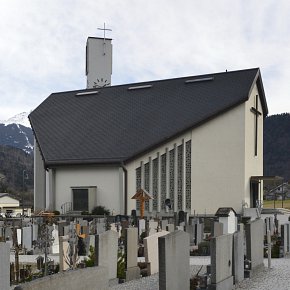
x=42, y=44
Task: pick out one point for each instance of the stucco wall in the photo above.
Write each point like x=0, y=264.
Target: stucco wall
x=254, y=164
x=39, y=180
x=218, y=163
x=105, y=179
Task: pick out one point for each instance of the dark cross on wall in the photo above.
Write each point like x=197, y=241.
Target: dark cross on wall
x=255, y=110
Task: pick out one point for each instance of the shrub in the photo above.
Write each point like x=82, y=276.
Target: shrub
x=100, y=210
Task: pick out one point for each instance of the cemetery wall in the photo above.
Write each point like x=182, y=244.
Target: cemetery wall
x=89, y=278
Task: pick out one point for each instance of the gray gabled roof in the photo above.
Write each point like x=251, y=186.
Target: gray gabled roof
x=118, y=123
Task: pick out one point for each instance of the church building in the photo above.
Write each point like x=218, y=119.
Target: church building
x=195, y=142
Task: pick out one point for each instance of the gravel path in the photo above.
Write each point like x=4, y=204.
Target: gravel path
x=276, y=278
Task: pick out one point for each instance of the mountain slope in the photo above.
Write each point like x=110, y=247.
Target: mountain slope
x=277, y=145
x=16, y=132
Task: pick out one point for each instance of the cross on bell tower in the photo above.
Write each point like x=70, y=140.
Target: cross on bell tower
x=257, y=113
x=104, y=29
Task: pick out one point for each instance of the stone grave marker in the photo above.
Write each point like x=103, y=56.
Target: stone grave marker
x=151, y=251
x=198, y=233
x=34, y=232
x=190, y=229
x=284, y=238
x=27, y=238
x=216, y=229
x=19, y=236
x=221, y=262
x=61, y=225
x=228, y=217
x=4, y=266
x=54, y=249
x=170, y=228
x=152, y=225
x=106, y=251
x=8, y=234
x=164, y=223
x=238, y=255
x=63, y=253
x=173, y=252
x=288, y=237
x=131, y=250
x=141, y=226
x=254, y=232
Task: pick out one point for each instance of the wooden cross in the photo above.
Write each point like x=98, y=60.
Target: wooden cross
x=104, y=29
x=255, y=110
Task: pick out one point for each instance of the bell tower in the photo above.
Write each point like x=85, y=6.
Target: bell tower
x=99, y=61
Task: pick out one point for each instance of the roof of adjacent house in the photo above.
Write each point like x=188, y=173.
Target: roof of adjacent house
x=115, y=124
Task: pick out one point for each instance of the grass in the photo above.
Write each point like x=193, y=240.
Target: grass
x=277, y=204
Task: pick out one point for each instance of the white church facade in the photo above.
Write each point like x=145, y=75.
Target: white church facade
x=196, y=141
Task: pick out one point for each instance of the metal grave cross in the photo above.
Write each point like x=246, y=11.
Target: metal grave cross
x=255, y=110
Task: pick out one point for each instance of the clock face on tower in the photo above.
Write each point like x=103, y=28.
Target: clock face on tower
x=100, y=83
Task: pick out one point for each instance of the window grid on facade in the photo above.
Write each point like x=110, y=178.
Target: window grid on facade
x=155, y=183
x=171, y=177
x=146, y=183
x=179, y=176
x=188, y=175
x=138, y=185
x=163, y=180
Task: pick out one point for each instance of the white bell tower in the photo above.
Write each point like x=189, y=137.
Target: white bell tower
x=99, y=61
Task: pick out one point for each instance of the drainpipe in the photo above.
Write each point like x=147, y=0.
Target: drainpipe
x=125, y=189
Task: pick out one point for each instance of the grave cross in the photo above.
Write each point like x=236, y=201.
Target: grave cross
x=104, y=29
x=255, y=110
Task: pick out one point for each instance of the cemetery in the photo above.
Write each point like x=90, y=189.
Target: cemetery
x=218, y=251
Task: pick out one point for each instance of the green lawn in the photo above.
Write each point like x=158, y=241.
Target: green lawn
x=278, y=204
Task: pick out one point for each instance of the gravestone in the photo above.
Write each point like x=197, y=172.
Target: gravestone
x=221, y=262
x=151, y=251
x=190, y=229
x=61, y=225
x=19, y=236
x=27, y=238
x=228, y=217
x=4, y=266
x=34, y=232
x=198, y=233
x=106, y=251
x=238, y=255
x=63, y=253
x=284, y=238
x=152, y=225
x=216, y=229
x=164, y=223
x=170, y=228
x=288, y=237
x=173, y=255
x=254, y=233
x=131, y=253
x=141, y=226
x=54, y=249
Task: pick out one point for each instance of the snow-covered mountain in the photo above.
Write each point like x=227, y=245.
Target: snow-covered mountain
x=16, y=132
x=20, y=119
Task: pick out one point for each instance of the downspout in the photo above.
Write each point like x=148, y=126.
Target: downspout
x=125, y=188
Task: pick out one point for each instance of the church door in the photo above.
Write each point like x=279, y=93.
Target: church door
x=254, y=193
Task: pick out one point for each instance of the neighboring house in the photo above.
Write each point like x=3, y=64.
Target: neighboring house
x=8, y=204
x=197, y=140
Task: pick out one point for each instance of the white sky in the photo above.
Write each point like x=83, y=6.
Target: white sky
x=42, y=44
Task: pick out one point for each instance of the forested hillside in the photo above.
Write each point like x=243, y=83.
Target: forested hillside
x=277, y=145
x=16, y=171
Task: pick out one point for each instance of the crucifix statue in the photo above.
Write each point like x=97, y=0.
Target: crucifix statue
x=104, y=29
x=255, y=110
